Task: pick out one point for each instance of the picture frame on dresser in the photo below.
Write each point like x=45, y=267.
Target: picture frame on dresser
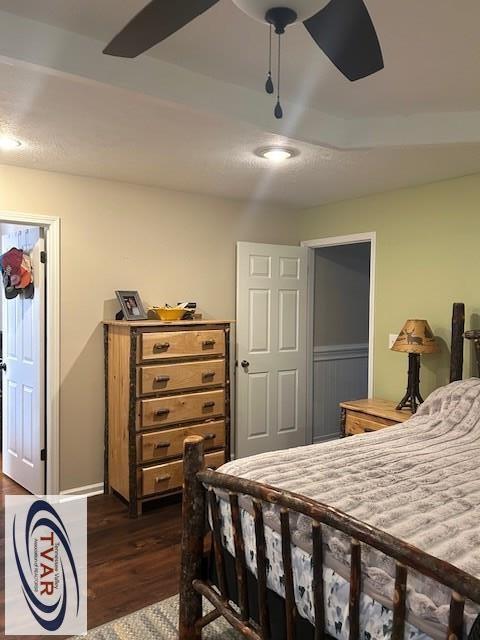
x=131, y=306
x=164, y=382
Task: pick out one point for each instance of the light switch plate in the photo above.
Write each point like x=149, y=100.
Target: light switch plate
x=391, y=339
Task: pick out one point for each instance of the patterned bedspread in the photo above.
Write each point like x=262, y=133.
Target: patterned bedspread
x=419, y=481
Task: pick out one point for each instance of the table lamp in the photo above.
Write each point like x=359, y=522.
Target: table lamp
x=416, y=337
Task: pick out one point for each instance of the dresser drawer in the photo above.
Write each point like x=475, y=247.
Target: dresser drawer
x=169, y=476
x=363, y=423
x=180, y=376
x=168, y=443
x=175, y=409
x=179, y=344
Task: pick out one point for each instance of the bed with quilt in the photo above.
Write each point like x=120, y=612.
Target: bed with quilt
x=375, y=536
x=419, y=481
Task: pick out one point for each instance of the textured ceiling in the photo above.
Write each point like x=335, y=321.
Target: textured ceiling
x=190, y=115
x=88, y=128
x=431, y=50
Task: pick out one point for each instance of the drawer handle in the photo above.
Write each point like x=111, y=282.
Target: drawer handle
x=208, y=374
x=162, y=412
x=161, y=346
x=209, y=343
x=161, y=445
x=208, y=405
x=162, y=478
x=210, y=436
x=159, y=379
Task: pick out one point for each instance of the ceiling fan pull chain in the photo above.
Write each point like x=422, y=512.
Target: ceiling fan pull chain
x=278, y=107
x=269, y=83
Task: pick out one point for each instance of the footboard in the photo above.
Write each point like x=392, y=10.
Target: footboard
x=199, y=494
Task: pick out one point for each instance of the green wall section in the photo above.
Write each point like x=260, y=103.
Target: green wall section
x=428, y=241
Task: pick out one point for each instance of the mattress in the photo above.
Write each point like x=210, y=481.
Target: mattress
x=418, y=481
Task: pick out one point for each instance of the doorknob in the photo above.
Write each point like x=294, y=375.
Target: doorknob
x=245, y=364
x=3, y=366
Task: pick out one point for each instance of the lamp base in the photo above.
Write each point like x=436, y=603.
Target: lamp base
x=412, y=399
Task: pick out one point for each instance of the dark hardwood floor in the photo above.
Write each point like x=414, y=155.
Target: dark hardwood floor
x=131, y=563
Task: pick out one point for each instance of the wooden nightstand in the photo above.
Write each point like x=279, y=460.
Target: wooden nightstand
x=362, y=416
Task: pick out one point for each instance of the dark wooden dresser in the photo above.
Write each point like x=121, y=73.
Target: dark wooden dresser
x=164, y=382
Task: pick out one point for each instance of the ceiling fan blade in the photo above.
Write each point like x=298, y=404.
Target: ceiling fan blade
x=155, y=22
x=345, y=33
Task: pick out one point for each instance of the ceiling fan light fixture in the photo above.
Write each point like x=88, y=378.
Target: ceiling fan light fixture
x=7, y=143
x=258, y=8
x=276, y=154
x=342, y=29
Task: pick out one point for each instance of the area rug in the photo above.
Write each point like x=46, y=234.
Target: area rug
x=157, y=622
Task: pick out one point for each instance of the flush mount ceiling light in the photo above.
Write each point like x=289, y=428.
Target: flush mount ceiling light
x=9, y=144
x=276, y=154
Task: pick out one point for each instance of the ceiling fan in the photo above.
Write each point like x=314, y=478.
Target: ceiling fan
x=343, y=30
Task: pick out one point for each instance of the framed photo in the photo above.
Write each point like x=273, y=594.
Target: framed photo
x=131, y=305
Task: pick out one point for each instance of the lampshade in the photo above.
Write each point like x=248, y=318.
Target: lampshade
x=415, y=337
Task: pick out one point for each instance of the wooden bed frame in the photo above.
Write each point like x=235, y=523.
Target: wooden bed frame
x=196, y=582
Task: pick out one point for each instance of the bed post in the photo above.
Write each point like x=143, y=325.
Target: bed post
x=456, y=355
x=193, y=528
x=474, y=334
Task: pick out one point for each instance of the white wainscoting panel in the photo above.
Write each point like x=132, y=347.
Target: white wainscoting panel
x=340, y=373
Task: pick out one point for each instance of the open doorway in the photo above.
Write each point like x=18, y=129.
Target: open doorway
x=279, y=386
x=30, y=349
x=341, y=310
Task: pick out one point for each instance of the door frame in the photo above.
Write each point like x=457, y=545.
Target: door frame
x=333, y=241
x=51, y=224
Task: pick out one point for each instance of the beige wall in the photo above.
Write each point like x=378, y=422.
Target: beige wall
x=172, y=246
x=427, y=247
x=342, y=290
x=169, y=245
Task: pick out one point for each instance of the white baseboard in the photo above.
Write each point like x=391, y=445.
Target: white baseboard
x=87, y=491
